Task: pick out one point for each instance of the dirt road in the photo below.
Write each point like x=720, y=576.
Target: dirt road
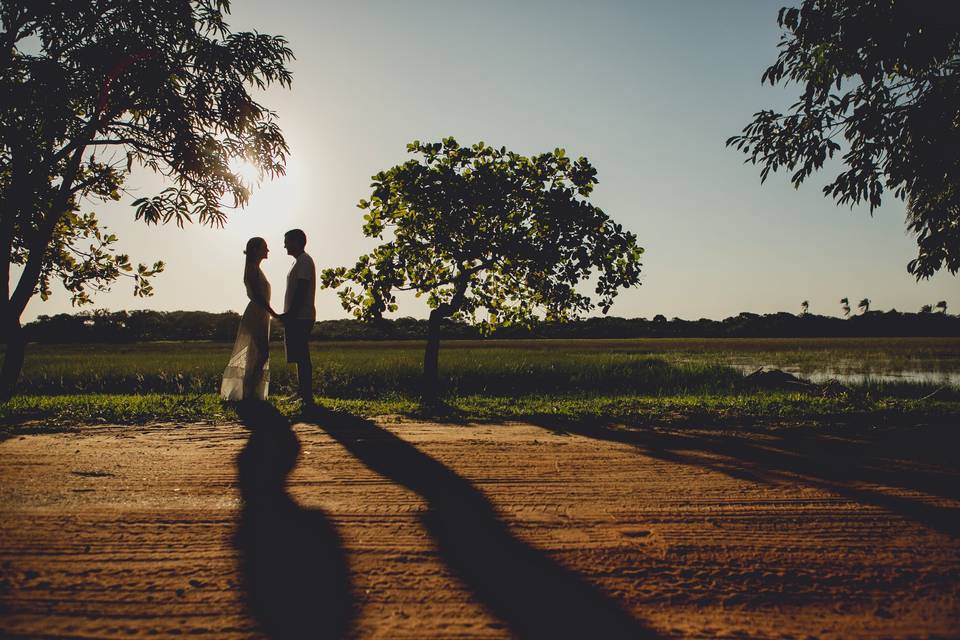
x=346, y=527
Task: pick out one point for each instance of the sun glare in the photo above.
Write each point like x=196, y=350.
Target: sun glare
x=275, y=204
x=247, y=172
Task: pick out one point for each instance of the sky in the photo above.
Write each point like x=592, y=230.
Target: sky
x=648, y=91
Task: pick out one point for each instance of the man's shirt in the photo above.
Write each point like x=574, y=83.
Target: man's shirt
x=305, y=271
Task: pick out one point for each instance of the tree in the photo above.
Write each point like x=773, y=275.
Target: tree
x=927, y=308
x=93, y=90
x=898, y=116
x=845, y=305
x=864, y=305
x=942, y=306
x=804, y=307
x=490, y=237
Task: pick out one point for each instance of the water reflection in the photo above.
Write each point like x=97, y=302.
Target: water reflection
x=850, y=375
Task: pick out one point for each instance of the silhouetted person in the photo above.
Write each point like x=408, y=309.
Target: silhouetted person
x=299, y=312
x=247, y=375
x=293, y=567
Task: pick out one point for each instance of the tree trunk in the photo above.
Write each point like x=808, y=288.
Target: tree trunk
x=12, y=307
x=430, y=391
x=13, y=357
x=431, y=379
x=41, y=239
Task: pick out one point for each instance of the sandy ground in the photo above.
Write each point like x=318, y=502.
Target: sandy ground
x=346, y=527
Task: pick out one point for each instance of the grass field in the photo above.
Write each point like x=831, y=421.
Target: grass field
x=372, y=369
x=626, y=379
x=33, y=413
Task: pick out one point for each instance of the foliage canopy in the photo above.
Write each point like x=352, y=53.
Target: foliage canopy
x=480, y=228
x=92, y=90
x=881, y=86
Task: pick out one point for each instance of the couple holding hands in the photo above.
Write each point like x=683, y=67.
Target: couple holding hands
x=247, y=375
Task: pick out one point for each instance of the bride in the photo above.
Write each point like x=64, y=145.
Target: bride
x=247, y=375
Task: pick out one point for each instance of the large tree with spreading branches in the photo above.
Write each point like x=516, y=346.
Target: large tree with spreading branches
x=488, y=236
x=93, y=90
x=881, y=88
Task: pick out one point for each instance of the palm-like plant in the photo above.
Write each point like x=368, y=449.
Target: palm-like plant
x=864, y=305
x=845, y=305
x=804, y=307
x=942, y=306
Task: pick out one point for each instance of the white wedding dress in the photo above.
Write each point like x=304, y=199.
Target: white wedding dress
x=243, y=379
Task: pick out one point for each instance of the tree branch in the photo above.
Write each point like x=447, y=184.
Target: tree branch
x=132, y=142
x=34, y=266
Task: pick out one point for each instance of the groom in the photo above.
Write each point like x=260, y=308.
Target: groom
x=299, y=312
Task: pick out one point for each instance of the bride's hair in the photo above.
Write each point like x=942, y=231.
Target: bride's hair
x=252, y=245
x=249, y=267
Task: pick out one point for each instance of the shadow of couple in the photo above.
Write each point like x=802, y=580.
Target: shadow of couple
x=294, y=567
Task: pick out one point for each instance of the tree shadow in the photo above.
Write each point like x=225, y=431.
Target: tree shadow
x=850, y=464
x=531, y=593
x=293, y=567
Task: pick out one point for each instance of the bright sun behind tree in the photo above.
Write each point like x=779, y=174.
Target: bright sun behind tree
x=248, y=172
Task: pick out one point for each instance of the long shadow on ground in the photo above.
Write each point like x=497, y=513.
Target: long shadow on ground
x=854, y=465
x=293, y=566
x=532, y=594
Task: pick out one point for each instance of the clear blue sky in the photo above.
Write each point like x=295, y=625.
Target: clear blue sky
x=648, y=91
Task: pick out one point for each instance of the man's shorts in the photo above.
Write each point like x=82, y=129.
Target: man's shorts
x=296, y=336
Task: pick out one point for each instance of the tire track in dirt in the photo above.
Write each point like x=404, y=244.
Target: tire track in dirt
x=125, y=532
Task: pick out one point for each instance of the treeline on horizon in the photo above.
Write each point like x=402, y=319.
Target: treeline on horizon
x=145, y=326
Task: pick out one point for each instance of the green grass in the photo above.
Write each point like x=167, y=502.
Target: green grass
x=54, y=413
x=500, y=367
x=639, y=381
x=351, y=372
